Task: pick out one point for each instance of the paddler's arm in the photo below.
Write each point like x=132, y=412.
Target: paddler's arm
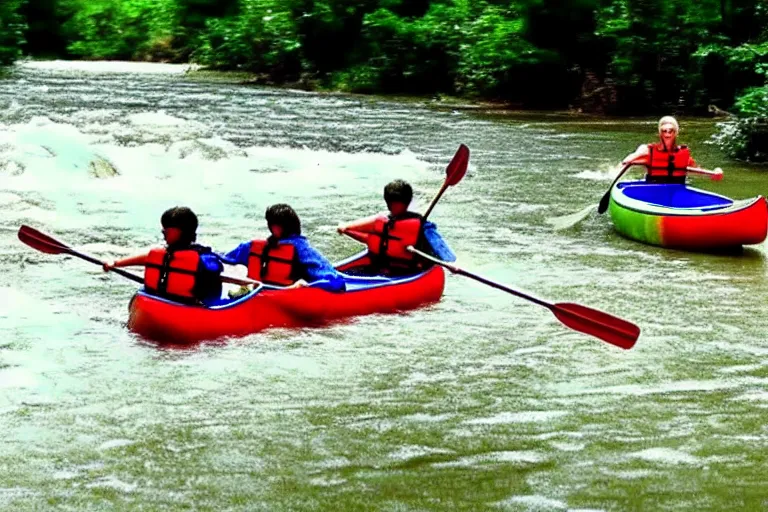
x=364, y=225
x=238, y=255
x=640, y=156
x=322, y=275
x=212, y=263
x=208, y=284
x=139, y=259
x=438, y=247
x=318, y=271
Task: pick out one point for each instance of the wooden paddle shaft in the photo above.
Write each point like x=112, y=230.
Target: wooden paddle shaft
x=499, y=286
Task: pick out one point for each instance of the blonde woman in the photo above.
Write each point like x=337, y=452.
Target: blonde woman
x=666, y=161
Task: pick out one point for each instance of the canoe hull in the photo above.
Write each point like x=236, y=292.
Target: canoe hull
x=725, y=225
x=164, y=320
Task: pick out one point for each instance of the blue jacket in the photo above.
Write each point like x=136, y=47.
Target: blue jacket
x=212, y=264
x=439, y=247
x=314, y=268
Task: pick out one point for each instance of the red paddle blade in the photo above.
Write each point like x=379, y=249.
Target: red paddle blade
x=457, y=167
x=41, y=242
x=601, y=325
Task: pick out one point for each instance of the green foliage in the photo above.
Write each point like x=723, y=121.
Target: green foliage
x=117, y=29
x=360, y=78
x=754, y=102
x=331, y=32
x=497, y=61
x=408, y=54
x=745, y=139
x=261, y=39
x=190, y=18
x=622, y=56
x=651, y=45
x=11, y=31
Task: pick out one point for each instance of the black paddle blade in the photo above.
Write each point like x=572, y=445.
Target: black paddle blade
x=457, y=167
x=609, y=328
x=41, y=242
x=604, y=202
x=606, y=199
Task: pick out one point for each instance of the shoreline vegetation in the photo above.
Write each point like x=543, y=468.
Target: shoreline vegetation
x=602, y=57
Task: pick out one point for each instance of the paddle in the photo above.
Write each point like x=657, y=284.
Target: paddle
x=609, y=328
x=49, y=245
x=570, y=220
x=454, y=172
x=606, y=199
x=716, y=175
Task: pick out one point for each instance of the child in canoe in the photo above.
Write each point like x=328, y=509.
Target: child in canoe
x=285, y=258
x=387, y=235
x=182, y=270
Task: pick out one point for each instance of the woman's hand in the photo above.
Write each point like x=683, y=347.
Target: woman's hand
x=638, y=157
x=630, y=159
x=107, y=266
x=299, y=284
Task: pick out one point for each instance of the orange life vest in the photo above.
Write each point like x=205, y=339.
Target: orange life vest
x=663, y=163
x=273, y=264
x=172, y=273
x=390, y=237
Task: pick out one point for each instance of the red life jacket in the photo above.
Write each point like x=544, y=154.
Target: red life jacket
x=273, y=264
x=663, y=163
x=390, y=237
x=172, y=273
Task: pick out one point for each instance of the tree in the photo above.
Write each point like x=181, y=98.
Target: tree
x=11, y=31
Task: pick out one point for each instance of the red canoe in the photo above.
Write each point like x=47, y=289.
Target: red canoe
x=164, y=320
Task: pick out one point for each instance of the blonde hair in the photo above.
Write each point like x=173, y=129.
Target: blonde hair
x=669, y=120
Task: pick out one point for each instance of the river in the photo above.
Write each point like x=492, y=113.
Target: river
x=480, y=402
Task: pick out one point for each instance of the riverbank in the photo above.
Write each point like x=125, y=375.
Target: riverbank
x=199, y=72
x=196, y=72
x=311, y=84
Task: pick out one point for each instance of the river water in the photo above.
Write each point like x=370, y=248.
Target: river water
x=480, y=402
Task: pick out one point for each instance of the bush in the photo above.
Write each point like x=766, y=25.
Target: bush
x=747, y=138
x=404, y=54
x=118, y=29
x=261, y=39
x=11, y=31
x=497, y=61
